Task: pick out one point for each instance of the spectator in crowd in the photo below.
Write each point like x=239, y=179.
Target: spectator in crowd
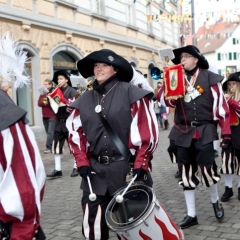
x=48, y=115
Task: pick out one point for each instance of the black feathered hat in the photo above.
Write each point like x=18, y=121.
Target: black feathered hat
x=202, y=61
x=232, y=77
x=62, y=73
x=85, y=65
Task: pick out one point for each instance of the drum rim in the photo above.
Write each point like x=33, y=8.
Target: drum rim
x=143, y=216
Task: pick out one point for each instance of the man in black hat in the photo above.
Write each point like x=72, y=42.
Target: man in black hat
x=62, y=79
x=196, y=115
x=128, y=111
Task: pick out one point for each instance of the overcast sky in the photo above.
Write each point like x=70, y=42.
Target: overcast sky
x=212, y=9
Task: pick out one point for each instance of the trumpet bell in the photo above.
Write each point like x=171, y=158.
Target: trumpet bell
x=156, y=73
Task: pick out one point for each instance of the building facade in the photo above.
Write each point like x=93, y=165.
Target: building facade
x=57, y=33
x=220, y=44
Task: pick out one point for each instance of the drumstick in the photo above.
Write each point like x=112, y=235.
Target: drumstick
x=119, y=198
x=92, y=196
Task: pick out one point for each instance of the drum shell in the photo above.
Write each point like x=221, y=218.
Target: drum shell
x=155, y=223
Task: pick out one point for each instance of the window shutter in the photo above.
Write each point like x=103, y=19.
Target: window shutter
x=219, y=56
x=230, y=56
x=234, y=41
x=219, y=71
x=235, y=56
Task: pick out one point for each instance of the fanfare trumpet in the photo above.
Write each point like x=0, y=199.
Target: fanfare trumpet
x=82, y=90
x=45, y=100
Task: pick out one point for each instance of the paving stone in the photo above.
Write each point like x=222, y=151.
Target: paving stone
x=62, y=214
x=230, y=236
x=206, y=227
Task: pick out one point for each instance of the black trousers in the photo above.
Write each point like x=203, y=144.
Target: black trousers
x=94, y=226
x=58, y=142
x=197, y=156
x=230, y=160
x=172, y=151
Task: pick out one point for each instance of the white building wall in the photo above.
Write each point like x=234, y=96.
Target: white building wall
x=213, y=9
x=224, y=50
x=126, y=12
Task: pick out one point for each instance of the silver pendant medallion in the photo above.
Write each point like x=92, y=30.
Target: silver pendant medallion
x=187, y=98
x=98, y=108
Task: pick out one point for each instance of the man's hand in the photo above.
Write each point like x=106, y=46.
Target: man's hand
x=139, y=172
x=226, y=140
x=85, y=171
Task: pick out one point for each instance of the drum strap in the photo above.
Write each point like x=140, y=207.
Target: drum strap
x=117, y=141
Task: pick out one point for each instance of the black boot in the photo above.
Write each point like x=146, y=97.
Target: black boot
x=218, y=210
x=166, y=124
x=55, y=174
x=239, y=193
x=227, y=194
x=187, y=222
x=177, y=175
x=74, y=173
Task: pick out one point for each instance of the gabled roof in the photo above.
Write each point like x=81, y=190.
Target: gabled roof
x=214, y=28
x=211, y=37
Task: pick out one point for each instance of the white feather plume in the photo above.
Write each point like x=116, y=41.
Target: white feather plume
x=140, y=81
x=12, y=61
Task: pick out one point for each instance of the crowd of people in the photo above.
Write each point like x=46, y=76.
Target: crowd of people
x=108, y=140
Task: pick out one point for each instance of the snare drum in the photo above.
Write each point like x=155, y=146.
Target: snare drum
x=141, y=216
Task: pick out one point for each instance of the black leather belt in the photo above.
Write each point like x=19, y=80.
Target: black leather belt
x=196, y=123
x=62, y=120
x=106, y=159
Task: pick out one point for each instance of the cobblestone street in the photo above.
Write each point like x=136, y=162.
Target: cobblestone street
x=61, y=210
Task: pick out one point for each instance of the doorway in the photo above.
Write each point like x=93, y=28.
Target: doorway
x=24, y=95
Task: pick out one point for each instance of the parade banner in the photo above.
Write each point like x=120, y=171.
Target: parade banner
x=56, y=99
x=174, y=82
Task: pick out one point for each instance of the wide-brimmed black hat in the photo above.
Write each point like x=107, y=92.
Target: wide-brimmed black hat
x=232, y=77
x=202, y=61
x=62, y=73
x=85, y=65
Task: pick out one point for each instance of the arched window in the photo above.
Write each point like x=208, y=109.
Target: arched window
x=27, y=96
x=62, y=60
x=65, y=56
x=133, y=64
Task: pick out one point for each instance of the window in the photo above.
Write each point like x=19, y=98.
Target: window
x=238, y=56
x=236, y=41
x=224, y=56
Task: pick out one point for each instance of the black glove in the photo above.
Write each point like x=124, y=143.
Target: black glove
x=140, y=173
x=226, y=140
x=85, y=171
x=4, y=230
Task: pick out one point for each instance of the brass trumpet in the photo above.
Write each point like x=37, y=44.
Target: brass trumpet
x=45, y=100
x=82, y=90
